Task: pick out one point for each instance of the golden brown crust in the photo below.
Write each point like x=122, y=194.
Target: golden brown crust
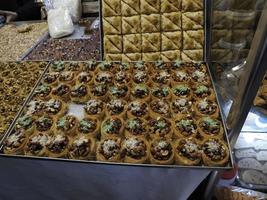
x=114, y=155
x=132, y=43
x=113, y=44
x=131, y=25
x=171, y=21
x=193, y=39
x=166, y=161
x=193, y=20
x=112, y=25
x=150, y=23
x=111, y=8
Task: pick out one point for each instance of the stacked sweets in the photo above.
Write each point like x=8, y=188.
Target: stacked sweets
x=141, y=112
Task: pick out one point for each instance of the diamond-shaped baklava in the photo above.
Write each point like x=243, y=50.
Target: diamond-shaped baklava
x=111, y=8
x=130, y=7
x=192, y=20
x=113, y=43
x=150, y=23
x=192, y=55
x=112, y=25
x=151, y=42
x=132, y=43
x=168, y=6
x=193, y=39
x=131, y=24
x=171, y=40
x=171, y=21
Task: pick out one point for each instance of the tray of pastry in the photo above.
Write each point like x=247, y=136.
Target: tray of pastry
x=150, y=30
x=17, y=79
x=137, y=113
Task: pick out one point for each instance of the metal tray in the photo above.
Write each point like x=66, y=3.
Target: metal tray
x=229, y=165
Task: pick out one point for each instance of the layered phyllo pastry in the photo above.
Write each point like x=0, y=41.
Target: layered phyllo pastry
x=202, y=91
x=160, y=65
x=119, y=92
x=161, y=152
x=187, y=152
x=140, y=92
x=15, y=142
x=136, y=127
x=201, y=77
x=192, y=67
x=105, y=66
x=210, y=127
x=140, y=65
x=26, y=123
x=73, y=67
x=123, y=67
x=99, y=91
x=89, y=127
x=160, y=128
x=108, y=150
x=161, y=92
x=82, y=148
x=161, y=77
x=55, y=107
x=61, y=91
x=103, y=78
x=177, y=65
x=181, y=107
x=122, y=78
x=57, y=66
x=51, y=78
x=206, y=107
x=215, y=152
x=57, y=146
x=89, y=66
x=67, y=77
x=137, y=109
x=140, y=77
x=44, y=124
x=35, y=108
x=135, y=150
x=185, y=127
x=181, y=91
x=79, y=93
x=85, y=78
x=159, y=108
x=67, y=125
x=36, y=145
x=94, y=108
x=112, y=126
x=42, y=92
x=116, y=107
x=180, y=76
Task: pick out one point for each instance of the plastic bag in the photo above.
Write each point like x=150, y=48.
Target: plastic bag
x=59, y=23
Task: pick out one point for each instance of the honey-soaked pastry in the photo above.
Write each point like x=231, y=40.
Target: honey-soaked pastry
x=123, y=67
x=89, y=66
x=171, y=55
x=42, y=92
x=161, y=78
x=113, y=43
x=105, y=66
x=192, y=55
x=192, y=5
x=130, y=7
x=131, y=24
x=116, y=107
x=159, y=66
x=171, y=21
x=215, y=153
x=95, y=108
x=79, y=93
x=55, y=108
x=57, y=66
x=111, y=8
x=161, y=92
x=181, y=107
x=150, y=42
x=201, y=77
x=122, y=78
x=112, y=126
x=160, y=128
x=103, y=77
x=202, y=91
x=185, y=127
x=151, y=56
x=168, y=6
x=36, y=145
x=112, y=25
x=89, y=126
x=140, y=77
x=187, y=151
x=82, y=148
x=112, y=57
x=135, y=127
x=137, y=108
x=119, y=92
x=62, y=92
x=135, y=150
x=67, y=125
x=193, y=20
x=99, y=91
x=75, y=67
x=132, y=43
x=15, y=142
x=26, y=123
x=140, y=92
x=131, y=57
x=180, y=76
x=35, y=108
x=51, y=78
x=159, y=108
x=206, y=107
x=161, y=152
x=210, y=127
x=44, y=124
x=85, y=78
x=150, y=23
x=140, y=66
x=109, y=150
x=67, y=77
x=57, y=146
x=150, y=6
x=192, y=67
x=171, y=40
x=181, y=91
x=193, y=39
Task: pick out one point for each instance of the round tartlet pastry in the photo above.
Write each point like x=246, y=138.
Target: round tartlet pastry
x=61, y=91
x=126, y=67
x=42, y=92
x=161, y=92
x=89, y=66
x=73, y=67
x=206, y=107
x=187, y=152
x=15, y=142
x=85, y=78
x=94, y=108
x=51, y=78
x=140, y=65
x=161, y=77
x=89, y=127
x=181, y=91
x=67, y=77
x=140, y=92
x=202, y=91
x=185, y=127
x=55, y=107
x=215, y=152
x=181, y=107
x=160, y=65
x=109, y=150
x=35, y=108
x=180, y=76
x=160, y=128
x=57, y=146
x=57, y=66
x=105, y=66
x=79, y=93
x=210, y=127
x=140, y=77
x=112, y=126
x=122, y=78
x=119, y=92
x=135, y=127
x=176, y=65
x=26, y=123
x=137, y=109
x=116, y=107
x=67, y=125
x=44, y=124
x=191, y=67
x=161, y=152
x=99, y=92
x=159, y=108
x=135, y=150
x=36, y=145
x=201, y=77
x=82, y=148
x=103, y=78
